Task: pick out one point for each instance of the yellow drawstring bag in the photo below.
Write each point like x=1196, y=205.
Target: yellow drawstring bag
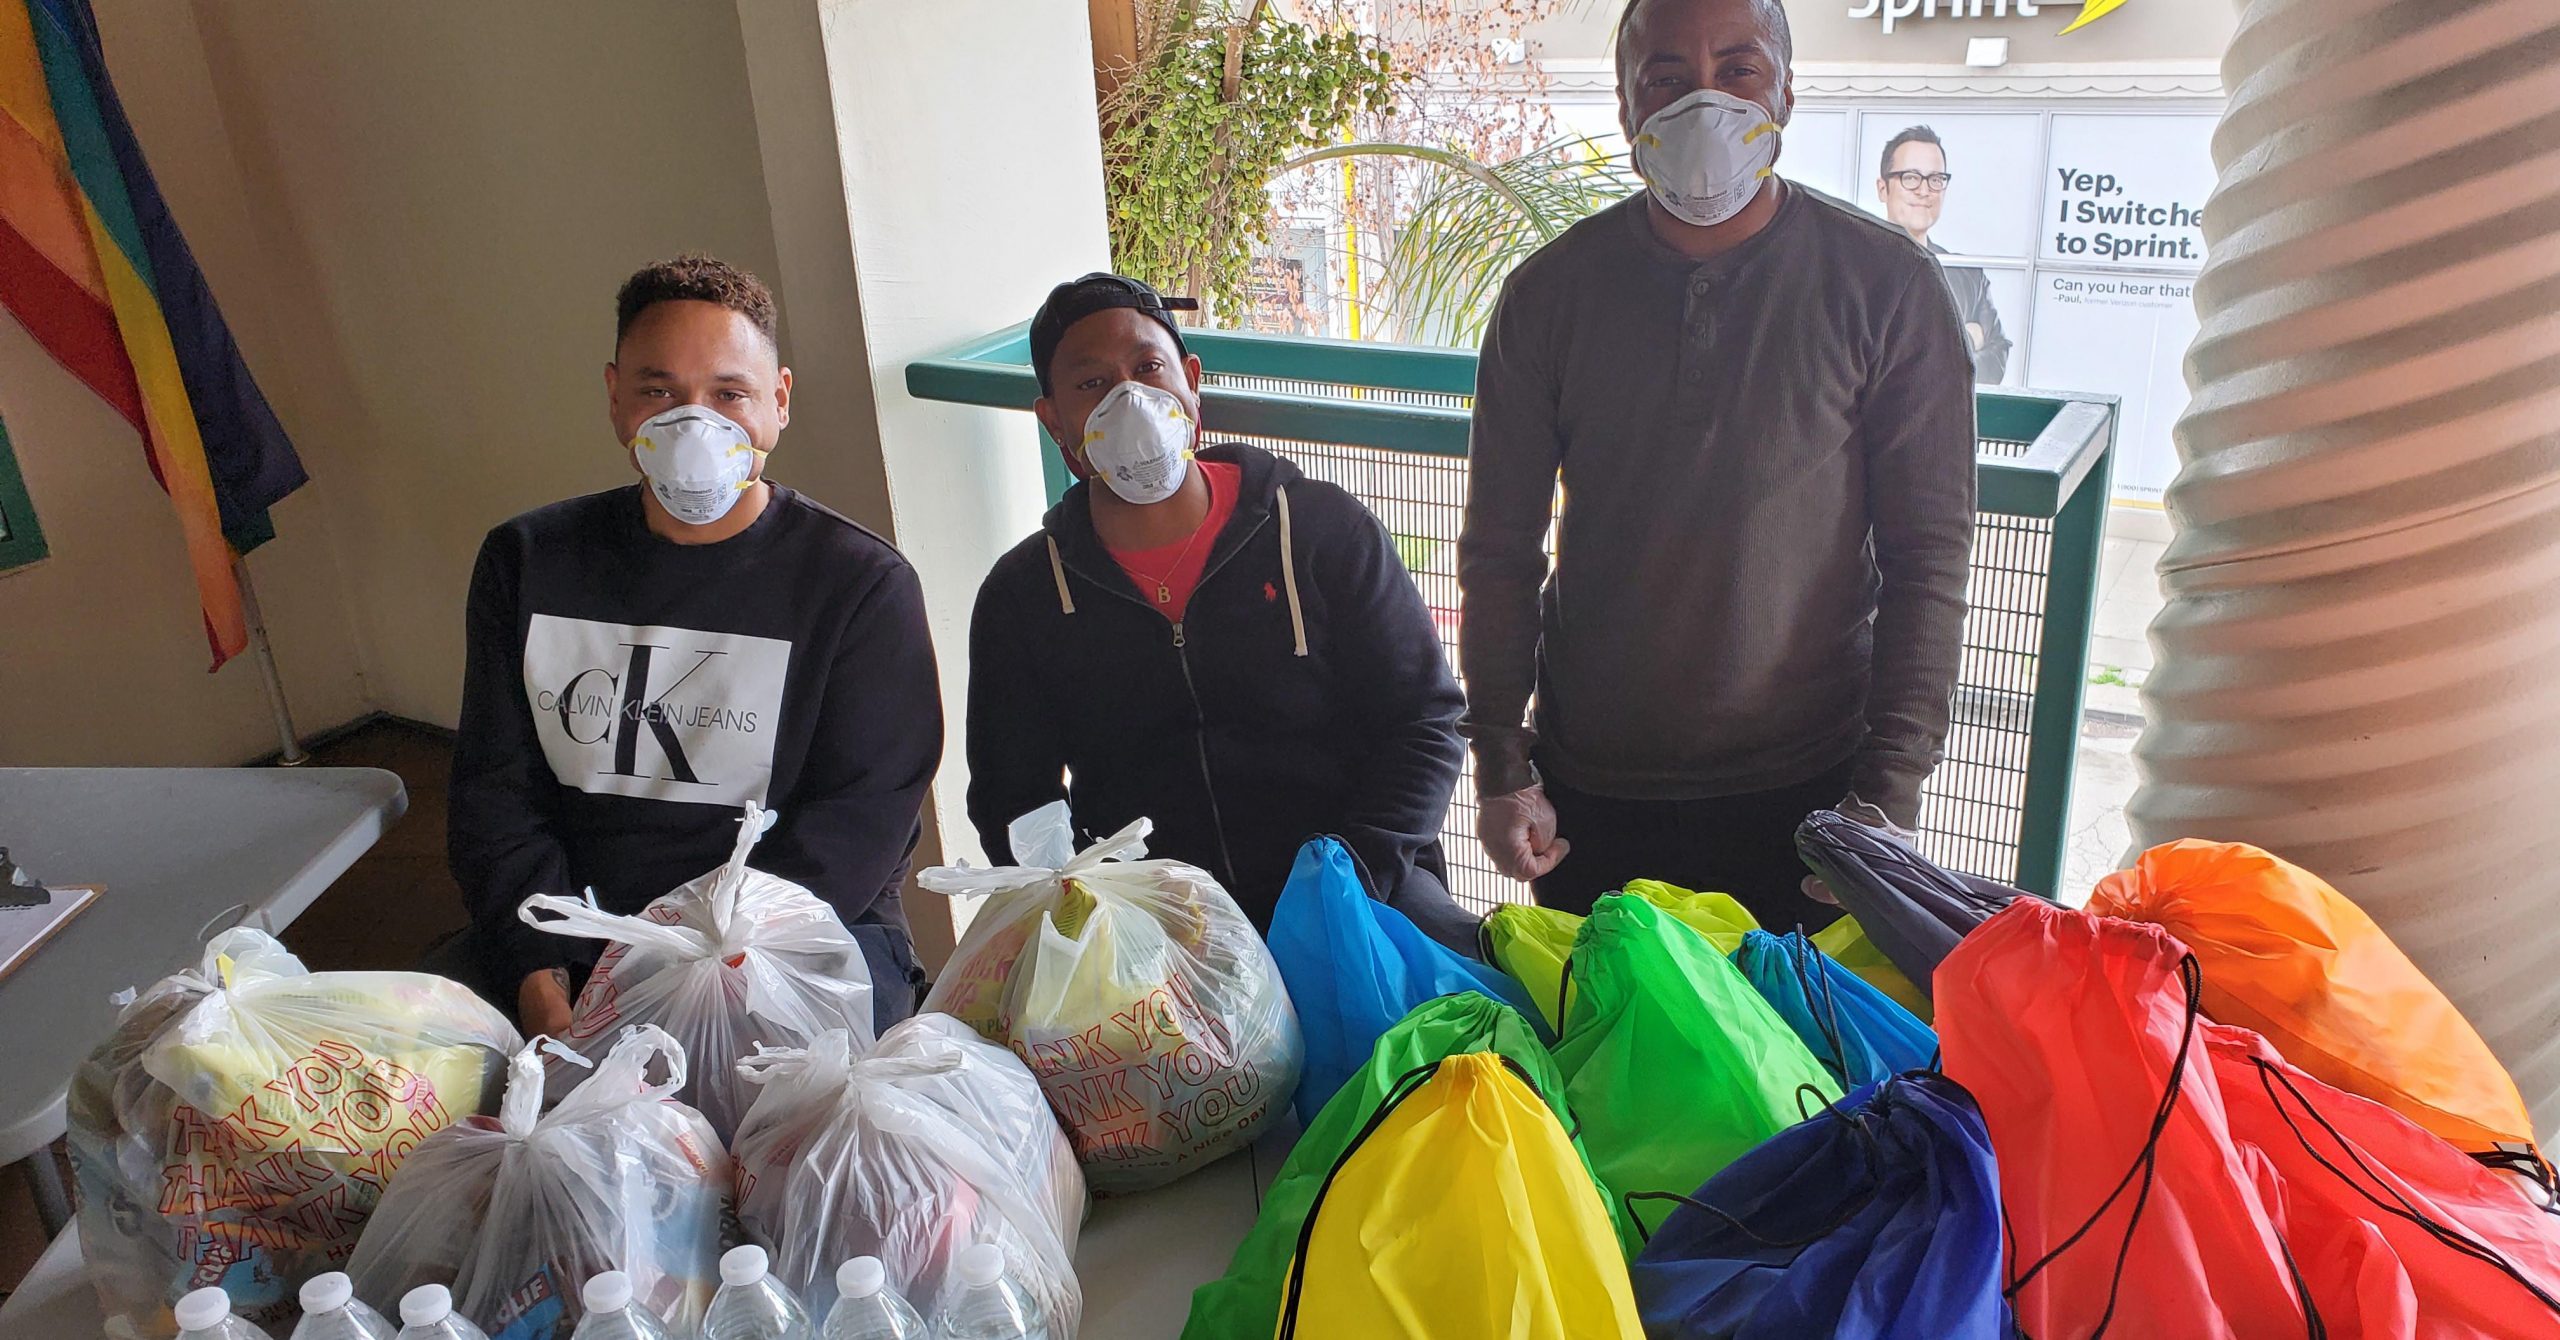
x=1846, y=943
x=1461, y=1211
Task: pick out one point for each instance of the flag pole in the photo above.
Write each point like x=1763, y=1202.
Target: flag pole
x=289, y=752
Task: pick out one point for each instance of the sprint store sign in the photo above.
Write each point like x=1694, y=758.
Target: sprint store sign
x=1893, y=12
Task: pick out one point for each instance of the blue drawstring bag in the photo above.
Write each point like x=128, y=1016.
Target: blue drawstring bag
x=1876, y=1220
x=1860, y=1034
x=1355, y=967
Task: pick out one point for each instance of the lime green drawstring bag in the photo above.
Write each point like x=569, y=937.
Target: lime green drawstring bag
x=1714, y=915
x=1674, y=1064
x=1531, y=943
x=1246, y=1302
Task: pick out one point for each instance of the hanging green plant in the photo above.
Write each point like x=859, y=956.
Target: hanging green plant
x=1216, y=101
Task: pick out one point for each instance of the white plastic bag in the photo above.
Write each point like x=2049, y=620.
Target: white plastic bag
x=238, y=1126
x=933, y=1142
x=728, y=962
x=1136, y=991
x=516, y=1214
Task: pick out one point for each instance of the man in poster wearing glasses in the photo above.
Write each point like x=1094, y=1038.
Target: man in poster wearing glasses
x=1912, y=182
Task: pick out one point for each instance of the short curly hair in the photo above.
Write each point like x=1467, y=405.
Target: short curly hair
x=694, y=277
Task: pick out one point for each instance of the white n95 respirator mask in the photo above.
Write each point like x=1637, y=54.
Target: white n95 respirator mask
x=1706, y=155
x=1138, y=442
x=697, y=461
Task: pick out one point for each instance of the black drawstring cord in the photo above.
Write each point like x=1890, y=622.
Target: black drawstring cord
x=1564, y=989
x=1407, y=1084
x=2145, y=1163
x=1859, y=1122
x=2315, y=1327
x=2529, y=1164
x=2452, y=1237
x=1804, y=958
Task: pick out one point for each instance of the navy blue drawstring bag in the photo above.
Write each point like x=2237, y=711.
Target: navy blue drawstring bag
x=1356, y=967
x=1914, y=909
x=1860, y=1034
x=1875, y=1220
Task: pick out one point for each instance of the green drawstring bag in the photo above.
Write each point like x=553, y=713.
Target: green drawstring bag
x=1714, y=915
x=1531, y=943
x=1246, y=1301
x=1674, y=1064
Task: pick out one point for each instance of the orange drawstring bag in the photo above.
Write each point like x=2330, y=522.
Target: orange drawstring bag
x=2396, y=1233
x=2131, y=1213
x=2290, y=958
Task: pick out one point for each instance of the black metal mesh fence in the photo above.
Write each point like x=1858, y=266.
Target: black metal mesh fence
x=1972, y=811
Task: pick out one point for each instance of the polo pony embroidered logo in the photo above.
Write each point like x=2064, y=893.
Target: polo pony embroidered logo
x=1270, y=594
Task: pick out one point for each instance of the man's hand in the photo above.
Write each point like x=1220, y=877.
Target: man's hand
x=1853, y=808
x=1519, y=834
x=542, y=1002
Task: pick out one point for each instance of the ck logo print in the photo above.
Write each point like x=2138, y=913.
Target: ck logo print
x=654, y=712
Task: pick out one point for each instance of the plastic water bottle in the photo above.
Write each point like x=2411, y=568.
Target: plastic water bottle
x=426, y=1313
x=867, y=1308
x=610, y=1313
x=331, y=1311
x=752, y=1304
x=990, y=1306
x=206, y=1315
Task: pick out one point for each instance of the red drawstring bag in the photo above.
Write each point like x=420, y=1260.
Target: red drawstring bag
x=2131, y=1212
x=2397, y=1232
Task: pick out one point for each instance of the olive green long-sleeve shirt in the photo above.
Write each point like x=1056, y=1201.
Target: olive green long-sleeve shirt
x=1768, y=470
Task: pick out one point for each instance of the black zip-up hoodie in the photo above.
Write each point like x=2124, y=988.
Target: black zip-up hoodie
x=1303, y=693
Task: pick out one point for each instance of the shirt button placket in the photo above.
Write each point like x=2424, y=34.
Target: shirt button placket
x=1699, y=324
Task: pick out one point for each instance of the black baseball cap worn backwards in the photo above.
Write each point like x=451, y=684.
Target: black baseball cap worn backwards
x=1100, y=291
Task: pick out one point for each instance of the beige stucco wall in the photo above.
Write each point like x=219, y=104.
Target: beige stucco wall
x=2139, y=31
x=415, y=218
x=448, y=195
x=102, y=649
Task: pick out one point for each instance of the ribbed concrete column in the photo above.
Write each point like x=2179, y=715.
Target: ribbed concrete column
x=2359, y=665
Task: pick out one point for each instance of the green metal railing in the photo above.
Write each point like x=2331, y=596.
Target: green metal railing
x=1389, y=423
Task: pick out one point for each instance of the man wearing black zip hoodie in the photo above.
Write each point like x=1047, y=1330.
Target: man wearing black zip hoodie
x=1203, y=637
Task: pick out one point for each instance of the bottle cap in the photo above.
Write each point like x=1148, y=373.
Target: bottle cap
x=203, y=1310
x=982, y=1265
x=426, y=1305
x=328, y=1293
x=860, y=1277
x=742, y=1266
x=606, y=1293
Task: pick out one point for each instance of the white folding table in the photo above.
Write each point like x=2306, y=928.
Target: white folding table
x=182, y=853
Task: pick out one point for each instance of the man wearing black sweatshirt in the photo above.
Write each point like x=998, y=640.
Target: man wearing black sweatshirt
x=643, y=662
x=1203, y=637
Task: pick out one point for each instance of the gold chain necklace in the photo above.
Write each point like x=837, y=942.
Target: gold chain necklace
x=1164, y=591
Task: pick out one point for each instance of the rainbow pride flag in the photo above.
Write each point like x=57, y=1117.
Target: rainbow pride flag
x=94, y=267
